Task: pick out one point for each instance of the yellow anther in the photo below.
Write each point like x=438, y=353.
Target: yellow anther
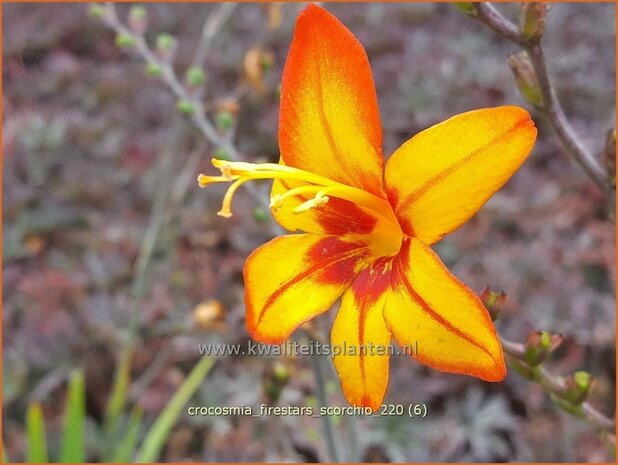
x=204, y=180
x=276, y=201
x=311, y=203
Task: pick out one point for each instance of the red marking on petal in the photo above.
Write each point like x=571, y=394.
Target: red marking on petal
x=400, y=275
x=340, y=216
x=373, y=281
x=339, y=258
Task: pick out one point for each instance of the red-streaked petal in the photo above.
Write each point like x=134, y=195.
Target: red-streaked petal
x=291, y=279
x=336, y=217
x=439, y=178
x=361, y=339
x=329, y=121
x=429, y=306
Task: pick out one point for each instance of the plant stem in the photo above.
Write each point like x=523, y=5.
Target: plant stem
x=551, y=108
x=170, y=79
x=553, y=384
x=211, y=27
x=329, y=434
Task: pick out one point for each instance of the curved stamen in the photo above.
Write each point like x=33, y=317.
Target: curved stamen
x=277, y=200
x=240, y=172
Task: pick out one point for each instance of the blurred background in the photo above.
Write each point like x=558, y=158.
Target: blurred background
x=108, y=242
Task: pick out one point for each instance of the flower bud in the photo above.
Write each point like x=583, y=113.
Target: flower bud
x=138, y=19
x=578, y=387
x=166, y=45
x=228, y=104
x=539, y=345
x=493, y=302
x=209, y=315
x=260, y=215
x=195, y=76
x=526, y=78
x=222, y=154
x=224, y=120
x=465, y=7
x=185, y=107
x=154, y=70
x=96, y=11
x=532, y=20
x=124, y=40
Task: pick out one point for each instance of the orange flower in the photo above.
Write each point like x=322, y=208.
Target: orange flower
x=367, y=227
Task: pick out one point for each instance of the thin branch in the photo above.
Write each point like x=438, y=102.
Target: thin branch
x=555, y=116
x=320, y=381
x=555, y=385
x=170, y=79
x=212, y=26
x=551, y=107
x=492, y=17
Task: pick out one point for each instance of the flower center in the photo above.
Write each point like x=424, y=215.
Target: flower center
x=320, y=187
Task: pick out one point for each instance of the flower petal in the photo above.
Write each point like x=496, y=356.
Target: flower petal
x=429, y=306
x=337, y=216
x=291, y=279
x=360, y=335
x=439, y=178
x=329, y=121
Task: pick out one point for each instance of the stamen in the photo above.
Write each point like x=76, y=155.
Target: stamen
x=226, y=207
x=311, y=203
x=277, y=200
x=241, y=172
x=204, y=180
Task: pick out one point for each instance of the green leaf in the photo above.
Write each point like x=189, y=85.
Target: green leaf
x=35, y=431
x=73, y=446
x=5, y=457
x=116, y=402
x=159, y=432
x=125, y=450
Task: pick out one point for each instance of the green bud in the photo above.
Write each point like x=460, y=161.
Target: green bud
x=165, y=44
x=154, y=70
x=582, y=379
x=225, y=120
x=526, y=78
x=260, y=215
x=222, y=154
x=137, y=12
x=137, y=19
x=185, y=107
x=465, y=7
x=195, y=76
x=267, y=60
x=281, y=372
x=274, y=381
x=494, y=301
x=125, y=40
x=539, y=345
x=532, y=20
x=578, y=387
x=96, y=11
